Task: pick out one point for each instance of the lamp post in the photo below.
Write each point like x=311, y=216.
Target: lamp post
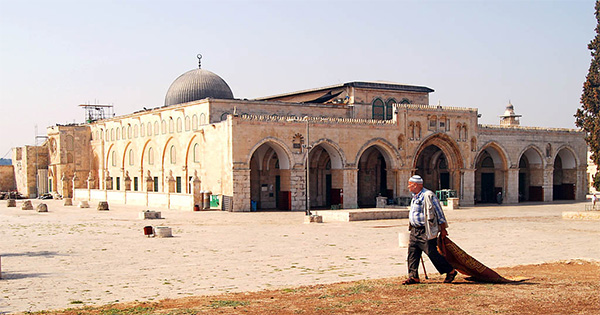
x=307, y=167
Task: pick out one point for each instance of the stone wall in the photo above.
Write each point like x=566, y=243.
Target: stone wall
x=7, y=178
x=27, y=161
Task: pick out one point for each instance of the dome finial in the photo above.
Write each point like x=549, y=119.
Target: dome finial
x=199, y=56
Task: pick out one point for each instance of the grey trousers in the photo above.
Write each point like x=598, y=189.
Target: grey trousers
x=417, y=245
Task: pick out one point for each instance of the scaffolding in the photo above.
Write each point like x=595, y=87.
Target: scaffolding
x=97, y=112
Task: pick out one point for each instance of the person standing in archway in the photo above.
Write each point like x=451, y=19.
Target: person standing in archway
x=427, y=220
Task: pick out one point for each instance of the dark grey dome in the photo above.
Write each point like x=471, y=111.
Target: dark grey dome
x=195, y=85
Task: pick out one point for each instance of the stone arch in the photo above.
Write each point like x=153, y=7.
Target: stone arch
x=440, y=151
x=531, y=174
x=564, y=174
x=376, y=163
x=269, y=162
x=491, y=172
x=338, y=159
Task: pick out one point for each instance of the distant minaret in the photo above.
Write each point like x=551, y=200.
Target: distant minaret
x=509, y=118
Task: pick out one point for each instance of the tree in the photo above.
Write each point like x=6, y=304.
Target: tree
x=588, y=115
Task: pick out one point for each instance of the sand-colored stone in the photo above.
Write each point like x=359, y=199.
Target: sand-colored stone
x=27, y=205
x=11, y=203
x=581, y=215
x=103, y=206
x=42, y=207
x=84, y=204
x=163, y=231
x=68, y=202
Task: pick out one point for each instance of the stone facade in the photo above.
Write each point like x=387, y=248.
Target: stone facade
x=349, y=143
x=7, y=178
x=30, y=165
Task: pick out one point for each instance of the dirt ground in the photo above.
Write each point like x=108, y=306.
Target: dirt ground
x=567, y=287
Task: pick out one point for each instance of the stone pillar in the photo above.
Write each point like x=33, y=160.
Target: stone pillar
x=297, y=189
x=511, y=194
x=149, y=182
x=467, y=195
x=402, y=182
x=91, y=181
x=127, y=181
x=171, y=182
x=241, y=190
x=350, y=188
x=66, y=191
x=548, y=183
x=581, y=185
x=108, y=184
x=74, y=184
x=196, y=192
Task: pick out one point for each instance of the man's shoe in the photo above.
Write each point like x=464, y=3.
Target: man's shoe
x=450, y=276
x=411, y=280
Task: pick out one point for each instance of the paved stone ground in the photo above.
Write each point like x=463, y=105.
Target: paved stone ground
x=70, y=257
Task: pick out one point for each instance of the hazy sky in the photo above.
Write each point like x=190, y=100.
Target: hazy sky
x=55, y=55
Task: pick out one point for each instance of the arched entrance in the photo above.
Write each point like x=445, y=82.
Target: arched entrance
x=270, y=178
x=438, y=161
x=564, y=178
x=531, y=176
x=373, y=179
x=490, y=175
x=325, y=176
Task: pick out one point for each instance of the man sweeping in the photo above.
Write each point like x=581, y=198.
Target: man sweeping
x=426, y=221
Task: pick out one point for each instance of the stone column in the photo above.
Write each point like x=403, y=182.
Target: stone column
x=91, y=181
x=171, y=182
x=241, y=190
x=196, y=192
x=581, y=185
x=402, y=182
x=468, y=187
x=127, y=181
x=350, y=188
x=66, y=191
x=297, y=189
x=548, y=184
x=511, y=195
x=74, y=184
x=149, y=182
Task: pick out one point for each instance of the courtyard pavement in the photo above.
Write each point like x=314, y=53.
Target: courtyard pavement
x=70, y=257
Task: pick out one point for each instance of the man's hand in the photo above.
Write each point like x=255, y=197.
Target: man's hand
x=443, y=232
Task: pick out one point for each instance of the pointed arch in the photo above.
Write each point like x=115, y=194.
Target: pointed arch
x=338, y=158
x=283, y=151
x=391, y=154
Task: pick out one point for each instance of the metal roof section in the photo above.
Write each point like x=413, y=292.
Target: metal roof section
x=378, y=85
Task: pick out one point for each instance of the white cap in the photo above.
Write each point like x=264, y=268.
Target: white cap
x=416, y=179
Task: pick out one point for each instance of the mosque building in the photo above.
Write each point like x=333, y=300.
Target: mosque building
x=335, y=146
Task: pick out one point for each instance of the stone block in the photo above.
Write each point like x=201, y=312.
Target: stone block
x=11, y=203
x=381, y=202
x=103, y=205
x=313, y=219
x=27, y=205
x=403, y=238
x=149, y=215
x=452, y=204
x=68, y=202
x=42, y=207
x=163, y=231
x=84, y=204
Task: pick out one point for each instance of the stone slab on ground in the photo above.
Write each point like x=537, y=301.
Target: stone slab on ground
x=581, y=215
x=362, y=214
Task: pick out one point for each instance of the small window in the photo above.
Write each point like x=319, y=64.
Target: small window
x=378, y=109
x=196, y=153
x=202, y=119
x=187, y=123
x=150, y=156
x=432, y=122
x=172, y=155
x=179, y=125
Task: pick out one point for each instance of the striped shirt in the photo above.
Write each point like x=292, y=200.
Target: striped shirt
x=416, y=215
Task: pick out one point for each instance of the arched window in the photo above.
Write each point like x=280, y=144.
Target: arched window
x=378, y=109
x=150, y=156
x=433, y=122
x=172, y=155
x=179, y=125
x=411, y=130
x=459, y=129
x=118, y=132
x=149, y=129
x=135, y=131
x=224, y=116
x=202, y=119
x=465, y=134
x=163, y=127
x=114, y=158
x=171, y=125
x=389, y=109
x=156, y=128
x=196, y=153
x=194, y=122
x=142, y=130
x=418, y=130
x=112, y=134
x=131, y=157
x=128, y=132
x=187, y=123
x=123, y=133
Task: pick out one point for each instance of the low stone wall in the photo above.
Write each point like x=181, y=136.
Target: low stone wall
x=164, y=200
